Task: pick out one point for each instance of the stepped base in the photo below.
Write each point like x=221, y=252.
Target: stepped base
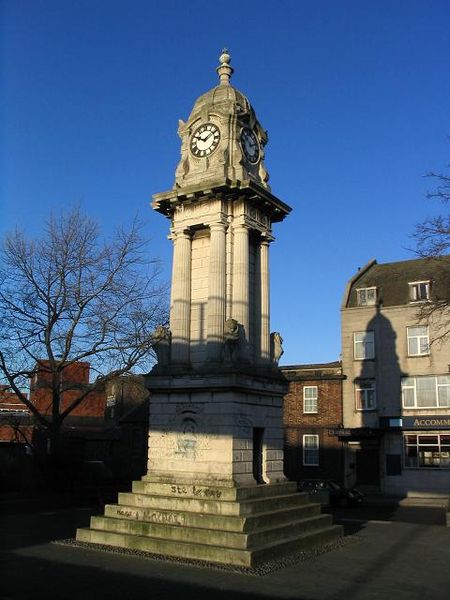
x=240, y=526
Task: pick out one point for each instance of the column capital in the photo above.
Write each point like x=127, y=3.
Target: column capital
x=242, y=226
x=183, y=232
x=266, y=238
x=218, y=226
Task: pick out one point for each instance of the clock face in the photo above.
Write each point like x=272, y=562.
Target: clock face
x=204, y=140
x=250, y=145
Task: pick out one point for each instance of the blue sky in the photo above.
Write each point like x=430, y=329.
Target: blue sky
x=354, y=95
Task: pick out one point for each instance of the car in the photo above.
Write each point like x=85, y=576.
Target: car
x=328, y=491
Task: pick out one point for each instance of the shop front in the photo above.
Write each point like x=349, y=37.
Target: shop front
x=417, y=455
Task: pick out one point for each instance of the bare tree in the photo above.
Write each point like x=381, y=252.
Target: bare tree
x=70, y=296
x=432, y=237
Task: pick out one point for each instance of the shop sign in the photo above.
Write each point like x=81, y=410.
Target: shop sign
x=427, y=422
x=340, y=432
x=356, y=432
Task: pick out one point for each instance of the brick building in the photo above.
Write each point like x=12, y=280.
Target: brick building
x=110, y=425
x=15, y=418
x=73, y=381
x=16, y=429
x=312, y=412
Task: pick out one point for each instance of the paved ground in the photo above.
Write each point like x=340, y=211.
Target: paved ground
x=394, y=555
x=420, y=511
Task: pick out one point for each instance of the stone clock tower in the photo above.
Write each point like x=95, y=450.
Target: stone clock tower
x=215, y=488
x=217, y=357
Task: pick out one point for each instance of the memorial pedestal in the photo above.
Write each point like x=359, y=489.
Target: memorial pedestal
x=212, y=437
x=241, y=526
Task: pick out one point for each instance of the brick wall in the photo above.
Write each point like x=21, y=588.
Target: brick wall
x=92, y=406
x=76, y=375
x=329, y=404
x=328, y=381
x=13, y=414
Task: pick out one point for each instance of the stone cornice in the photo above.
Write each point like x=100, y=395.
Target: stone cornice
x=165, y=202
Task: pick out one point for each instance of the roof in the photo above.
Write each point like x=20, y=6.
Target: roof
x=392, y=279
x=331, y=370
x=312, y=366
x=224, y=95
x=221, y=95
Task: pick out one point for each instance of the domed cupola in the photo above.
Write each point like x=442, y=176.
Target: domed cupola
x=222, y=138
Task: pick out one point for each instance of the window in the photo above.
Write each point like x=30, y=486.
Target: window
x=418, y=341
x=310, y=394
x=419, y=291
x=365, y=394
x=364, y=345
x=366, y=296
x=311, y=450
x=431, y=450
x=426, y=392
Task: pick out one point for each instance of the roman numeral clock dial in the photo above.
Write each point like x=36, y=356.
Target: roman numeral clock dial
x=205, y=140
x=250, y=145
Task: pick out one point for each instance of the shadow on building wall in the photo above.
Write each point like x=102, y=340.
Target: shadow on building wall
x=377, y=403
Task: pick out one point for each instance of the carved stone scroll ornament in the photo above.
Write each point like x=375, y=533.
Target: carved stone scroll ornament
x=161, y=345
x=231, y=340
x=276, y=347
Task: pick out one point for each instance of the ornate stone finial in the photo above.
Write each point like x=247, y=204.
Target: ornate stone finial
x=224, y=70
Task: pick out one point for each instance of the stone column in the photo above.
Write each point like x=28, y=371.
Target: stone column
x=229, y=272
x=216, y=293
x=180, y=309
x=264, y=299
x=241, y=296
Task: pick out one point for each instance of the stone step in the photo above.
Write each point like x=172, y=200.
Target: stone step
x=178, y=478
x=211, y=521
x=243, y=508
x=309, y=540
x=212, y=492
x=216, y=554
x=299, y=527
x=167, y=548
x=225, y=539
x=259, y=505
x=279, y=517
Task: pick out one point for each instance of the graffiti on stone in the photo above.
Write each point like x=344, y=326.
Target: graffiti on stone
x=196, y=491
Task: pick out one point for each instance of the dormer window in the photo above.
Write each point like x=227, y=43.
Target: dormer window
x=366, y=296
x=419, y=291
